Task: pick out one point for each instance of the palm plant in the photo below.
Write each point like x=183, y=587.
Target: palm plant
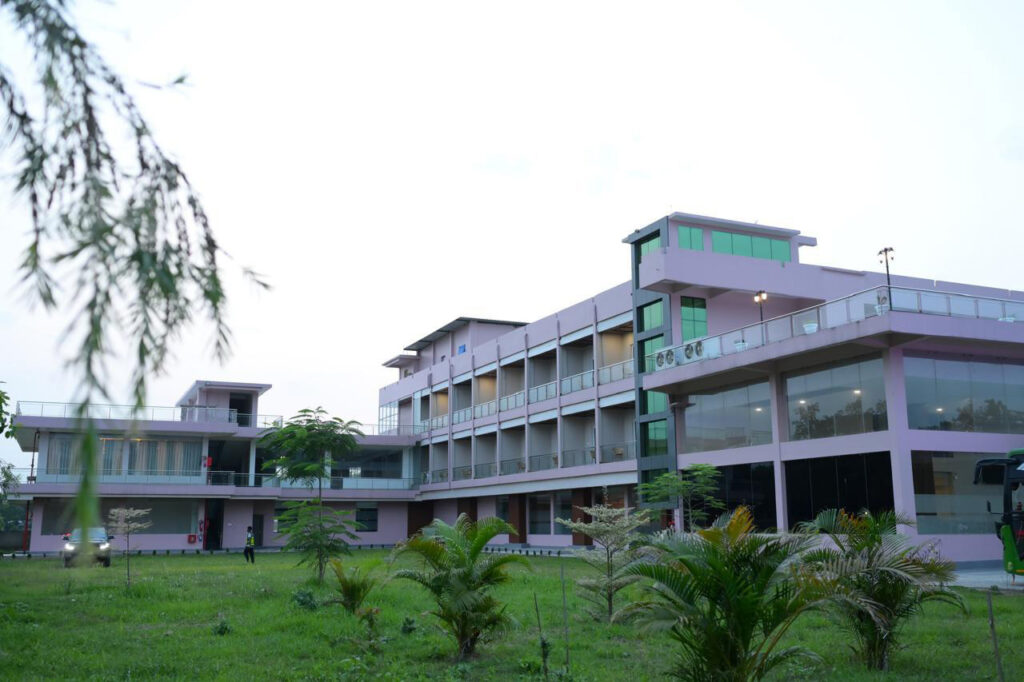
x=460, y=576
x=727, y=595
x=354, y=584
x=886, y=578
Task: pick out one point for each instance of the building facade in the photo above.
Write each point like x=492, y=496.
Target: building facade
x=834, y=388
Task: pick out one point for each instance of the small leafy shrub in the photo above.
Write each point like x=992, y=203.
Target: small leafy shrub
x=408, y=625
x=222, y=627
x=354, y=584
x=305, y=599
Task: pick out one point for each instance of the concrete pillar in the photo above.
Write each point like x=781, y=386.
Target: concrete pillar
x=780, y=430
x=252, y=463
x=899, y=449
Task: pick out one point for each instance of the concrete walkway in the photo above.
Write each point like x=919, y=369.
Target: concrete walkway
x=983, y=578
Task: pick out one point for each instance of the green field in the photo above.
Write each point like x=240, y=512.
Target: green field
x=81, y=624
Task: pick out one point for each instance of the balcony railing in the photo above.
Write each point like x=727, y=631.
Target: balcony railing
x=422, y=426
x=510, y=402
x=463, y=415
x=616, y=372
x=438, y=476
x=462, y=473
x=485, y=470
x=543, y=392
x=831, y=314
x=545, y=461
x=576, y=457
x=578, y=382
x=618, y=452
x=439, y=422
x=512, y=466
x=216, y=478
x=189, y=414
x=389, y=429
x=485, y=409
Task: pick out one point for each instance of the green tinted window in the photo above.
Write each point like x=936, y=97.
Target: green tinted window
x=693, y=317
x=649, y=346
x=762, y=247
x=780, y=250
x=691, y=238
x=648, y=245
x=746, y=245
x=721, y=242
x=655, y=438
x=653, y=402
x=652, y=315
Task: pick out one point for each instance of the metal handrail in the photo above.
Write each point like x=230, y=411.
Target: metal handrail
x=486, y=409
x=178, y=413
x=439, y=476
x=485, y=470
x=578, y=382
x=542, y=462
x=511, y=466
x=856, y=307
x=546, y=391
x=512, y=401
x=439, y=422
x=618, y=452
x=463, y=415
x=575, y=457
x=616, y=372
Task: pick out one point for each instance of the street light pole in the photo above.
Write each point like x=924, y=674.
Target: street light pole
x=885, y=255
x=759, y=298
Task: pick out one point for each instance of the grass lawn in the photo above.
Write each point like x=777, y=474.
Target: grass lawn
x=80, y=624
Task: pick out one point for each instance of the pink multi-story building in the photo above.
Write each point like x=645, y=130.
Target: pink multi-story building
x=808, y=386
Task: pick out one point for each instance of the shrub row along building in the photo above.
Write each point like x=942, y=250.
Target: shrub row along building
x=854, y=391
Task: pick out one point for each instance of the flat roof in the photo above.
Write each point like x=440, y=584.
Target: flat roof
x=229, y=385
x=710, y=221
x=457, y=323
x=401, y=360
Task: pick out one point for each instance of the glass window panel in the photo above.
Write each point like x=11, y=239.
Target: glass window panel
x=721, y=242
x=781, y=250
x=732, y=418
x=563, y=510
x=762, y=247
x=366, y=517
x=655, y=438
x=841, y=400
x=540, y=515
x=648, y=347
x=919, y=374
x=988, y=397
x=648, y=245
x=947, y=500
x=652, y=315
x=653, y=402
x=742, y=245
x=691, y=238
x=851, y=482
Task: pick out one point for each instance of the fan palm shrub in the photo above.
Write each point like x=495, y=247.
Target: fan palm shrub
x=460, y=577
x=727, y=595
x=886, y=578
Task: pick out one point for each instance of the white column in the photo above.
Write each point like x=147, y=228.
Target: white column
x=899, y=451
x=252, y=463
x=780, y=426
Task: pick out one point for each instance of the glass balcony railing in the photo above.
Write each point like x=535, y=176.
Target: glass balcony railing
x=485, y=470
x=463, y=473
x=578, y=382
x=439, y=422
x=510, y=402
x=831, y=314
x=544, y=461
x=190, y=414
x=512, y=466
x=575, y=457
x=438, y=476
x=486, y=409
x=543, y=392
x=463, y=415
x=616, y=372
x=214, y=478
x=618, y=452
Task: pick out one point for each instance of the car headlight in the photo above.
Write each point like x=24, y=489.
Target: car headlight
x=105, y=546
x=68, y=547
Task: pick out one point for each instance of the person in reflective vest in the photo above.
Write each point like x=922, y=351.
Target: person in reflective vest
x=250, y=544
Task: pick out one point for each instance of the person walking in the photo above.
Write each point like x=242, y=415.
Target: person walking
x=250, y=546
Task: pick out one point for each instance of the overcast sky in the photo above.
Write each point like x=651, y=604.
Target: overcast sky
x=391, y=166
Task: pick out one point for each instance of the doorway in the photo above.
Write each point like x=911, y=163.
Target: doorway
x=214, y=524
x=257, y=529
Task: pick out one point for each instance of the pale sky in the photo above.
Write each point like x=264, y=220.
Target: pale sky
x=391, y=166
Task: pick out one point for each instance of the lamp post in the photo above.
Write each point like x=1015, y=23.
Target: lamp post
x=884, y=256
x=759, y=298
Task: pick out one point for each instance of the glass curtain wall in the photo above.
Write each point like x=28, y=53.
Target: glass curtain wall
x=962, y=395
x=837, y=401
x=165, y=457
x=850, y=482
x=732, y=418
x=947, y=500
